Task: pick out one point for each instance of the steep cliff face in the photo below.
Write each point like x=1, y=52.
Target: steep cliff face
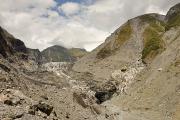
x=10, y=45
x=173, y=17
x=35, y=55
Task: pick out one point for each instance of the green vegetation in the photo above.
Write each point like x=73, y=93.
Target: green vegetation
x=104, y=52
x=123, y=35
x=153, y=43
x=173, y=22
x=158, y=26
x=153, y=22
x=77, y=52
x=147, y=18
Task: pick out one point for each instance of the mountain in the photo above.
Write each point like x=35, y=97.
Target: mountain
x=56, y=53
x=133, y=75
x=60, y=54
x=10, y=45
x=77, y=53
x=173, y=17
x=30, y=89
x=143, y=57
x=35, y=55
x=138, y=40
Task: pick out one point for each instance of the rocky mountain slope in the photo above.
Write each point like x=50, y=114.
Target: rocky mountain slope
x=143, y=56
x=60, y=54
x=31, y=91
x=133, y=75
x=140, y=39
x=10, y=45
x=137, y=41
x=56, y=54
x=35, y=55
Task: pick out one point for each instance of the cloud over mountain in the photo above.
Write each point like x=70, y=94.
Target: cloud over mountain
x=85, y=24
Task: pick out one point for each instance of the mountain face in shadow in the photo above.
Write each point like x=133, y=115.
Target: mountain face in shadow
x=60, y=54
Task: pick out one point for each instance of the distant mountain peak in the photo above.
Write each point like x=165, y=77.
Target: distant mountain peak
x=173, y=16
x=59, y=53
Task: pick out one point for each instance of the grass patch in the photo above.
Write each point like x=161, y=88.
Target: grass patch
x=173, y=22
x=121, y=36
x=153, y=43
x=104, y=52
x=77, y=52
x=147, y=18
x=158, y=25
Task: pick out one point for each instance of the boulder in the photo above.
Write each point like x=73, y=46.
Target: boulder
x=41, y=106
x=102, y=96
x=5, y=68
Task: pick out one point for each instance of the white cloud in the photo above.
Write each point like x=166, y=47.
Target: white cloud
x=84, y=25
x=80, y=36
x=152, y=8
x=69, y=8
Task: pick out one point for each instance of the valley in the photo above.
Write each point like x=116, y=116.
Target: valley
x=133, y=75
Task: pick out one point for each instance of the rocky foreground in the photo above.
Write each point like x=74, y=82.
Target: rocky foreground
x=50, y=93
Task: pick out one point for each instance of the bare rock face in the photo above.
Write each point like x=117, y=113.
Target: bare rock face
x=175, y=10
x=4, y=48
x=10, y=45
x=35, y=55
x=173, y=17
